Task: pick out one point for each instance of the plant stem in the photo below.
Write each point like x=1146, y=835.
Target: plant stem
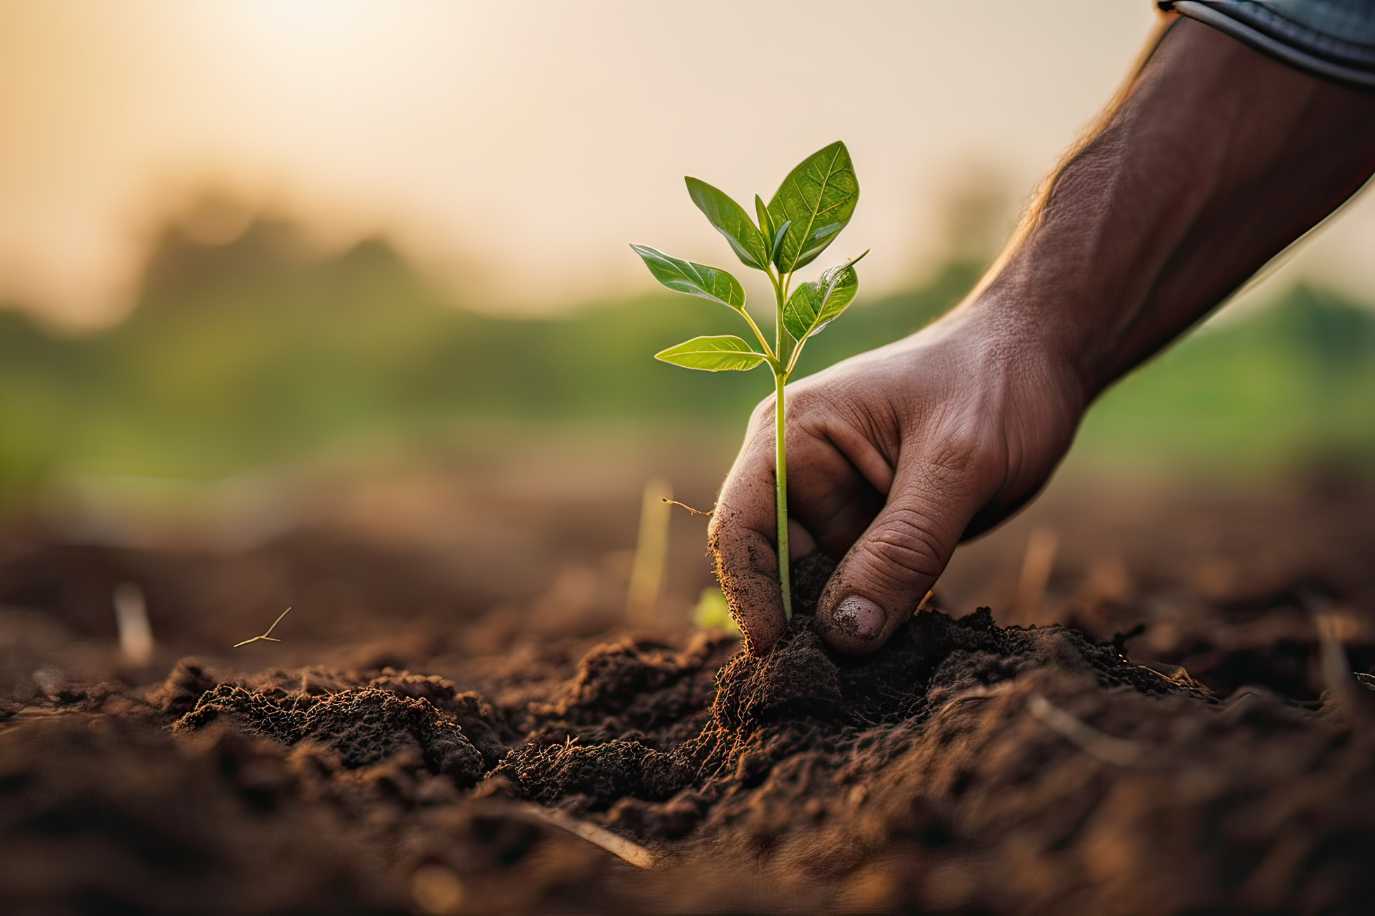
x=780, y=380
x=780, y=439
x=797, y=351
x=758, y=334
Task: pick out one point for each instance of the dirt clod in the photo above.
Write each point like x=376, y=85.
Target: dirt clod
x=1215, y=761
x=363, y=726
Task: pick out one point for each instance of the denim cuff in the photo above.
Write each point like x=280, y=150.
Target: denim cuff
x=1330, y=38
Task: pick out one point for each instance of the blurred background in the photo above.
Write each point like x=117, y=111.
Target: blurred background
x=360, y=270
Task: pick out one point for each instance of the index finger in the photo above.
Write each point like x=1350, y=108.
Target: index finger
x=742, y=539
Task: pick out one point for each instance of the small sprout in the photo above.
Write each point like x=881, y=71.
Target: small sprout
x=651, y=552
x=266, y=635
x=712, y=612
x=131, y=621
x=809, y=209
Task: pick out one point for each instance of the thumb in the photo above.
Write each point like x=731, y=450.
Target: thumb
x=899, y=557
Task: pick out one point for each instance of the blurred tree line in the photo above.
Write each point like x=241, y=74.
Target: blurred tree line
x=250, y=352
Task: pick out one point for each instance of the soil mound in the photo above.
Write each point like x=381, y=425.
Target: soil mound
x=455, y=734
x=964, y=766
x=103, y=817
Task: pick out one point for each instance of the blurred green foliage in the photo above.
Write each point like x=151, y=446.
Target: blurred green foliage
x=1290, y=383
x=247, y=354
x=712, y=612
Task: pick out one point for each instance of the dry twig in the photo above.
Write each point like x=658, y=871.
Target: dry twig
x=266, y=635
x=623, y=849
x=1117, y=751
x=1348, y=689
x=695, y=511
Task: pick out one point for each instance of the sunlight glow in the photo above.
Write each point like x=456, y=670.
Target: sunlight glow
x=309, y=28
x=476, y=133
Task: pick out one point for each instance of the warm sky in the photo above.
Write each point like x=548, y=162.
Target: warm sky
x=537, y=136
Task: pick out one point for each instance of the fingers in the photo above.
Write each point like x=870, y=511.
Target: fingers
x=800, y=540
x=898, y=558
x=831, y=500
x=741, y=539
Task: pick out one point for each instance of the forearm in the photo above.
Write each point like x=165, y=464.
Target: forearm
x=1212, y=161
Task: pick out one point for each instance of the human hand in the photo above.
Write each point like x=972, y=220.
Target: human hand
x=894, y=456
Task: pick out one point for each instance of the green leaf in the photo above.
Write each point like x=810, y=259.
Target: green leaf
x=778, y=238
x=731, y=220
x=814, y=305
x=719, y=353
x=765, y=223
x=710, y=283
x=819, y=196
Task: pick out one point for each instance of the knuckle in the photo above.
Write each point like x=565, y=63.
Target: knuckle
x=958, y=451
x=906, y=548
x=763, y=412
x=958, y=459
x=805, y=399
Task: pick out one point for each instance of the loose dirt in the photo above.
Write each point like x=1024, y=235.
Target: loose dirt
x=967, y=765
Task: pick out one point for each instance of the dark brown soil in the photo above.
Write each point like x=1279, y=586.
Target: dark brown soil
x=966, y=766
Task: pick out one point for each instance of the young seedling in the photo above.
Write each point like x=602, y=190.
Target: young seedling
x=806, y=214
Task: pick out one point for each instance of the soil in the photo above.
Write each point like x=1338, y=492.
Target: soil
x=1141, y=758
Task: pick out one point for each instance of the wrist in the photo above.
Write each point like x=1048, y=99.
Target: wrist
x=1009, y=398
x=1031, y=341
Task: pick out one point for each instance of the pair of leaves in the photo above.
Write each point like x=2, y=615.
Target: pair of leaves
x=812, y=205
x=777, y=234
x=811, y=307
x=806, y=213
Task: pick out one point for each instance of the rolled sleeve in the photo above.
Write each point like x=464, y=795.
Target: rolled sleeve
x=1331, y=38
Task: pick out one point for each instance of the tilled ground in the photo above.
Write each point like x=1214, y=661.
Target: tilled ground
x=1222, y=758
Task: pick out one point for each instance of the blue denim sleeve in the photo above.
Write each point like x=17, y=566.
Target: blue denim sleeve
x=1332, y=38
